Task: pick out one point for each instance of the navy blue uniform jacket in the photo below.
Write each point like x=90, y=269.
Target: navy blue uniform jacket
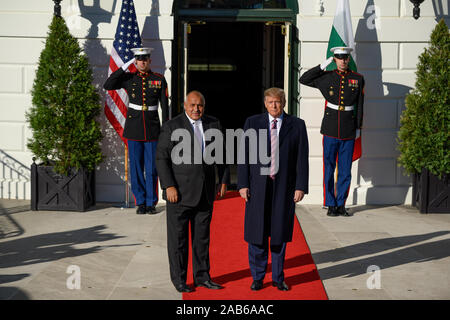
x=341, y=89
x=293, y=174
x=143, y=89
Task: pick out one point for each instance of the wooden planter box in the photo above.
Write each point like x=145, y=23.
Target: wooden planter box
x=431, y=194
x=52, y=191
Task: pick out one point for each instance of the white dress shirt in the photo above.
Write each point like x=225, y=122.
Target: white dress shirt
x=200, y=125
x=279, y=121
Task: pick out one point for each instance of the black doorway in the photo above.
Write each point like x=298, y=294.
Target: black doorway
x=232, y=63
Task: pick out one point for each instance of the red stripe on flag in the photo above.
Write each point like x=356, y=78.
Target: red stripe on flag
x=112, y=65
x=114, y=123
x=357, y=149
x=119, y=102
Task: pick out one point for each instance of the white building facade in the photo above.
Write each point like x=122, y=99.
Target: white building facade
x=286, y=42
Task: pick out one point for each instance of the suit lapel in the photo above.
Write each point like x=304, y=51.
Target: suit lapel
x=286, y=126
x=206, y=124
x=264, y=124
x=187, y=124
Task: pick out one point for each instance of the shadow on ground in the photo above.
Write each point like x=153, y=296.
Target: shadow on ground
x=412, y=254
x=51, y=247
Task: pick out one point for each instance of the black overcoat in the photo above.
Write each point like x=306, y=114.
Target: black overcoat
x=292, y=175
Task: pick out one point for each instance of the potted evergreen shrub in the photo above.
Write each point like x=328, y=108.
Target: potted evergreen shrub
x=65, y=132
x=424, y=134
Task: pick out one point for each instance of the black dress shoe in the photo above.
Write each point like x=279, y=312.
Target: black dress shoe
x=343, y=212
x=281, y=285
x=183, y=288
x=141, y=209
x=209, y=284
x=150, y=209
x=256, y=285
x=332, y=211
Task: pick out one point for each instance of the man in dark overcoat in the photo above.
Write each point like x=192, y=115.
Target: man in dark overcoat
x=272, y=189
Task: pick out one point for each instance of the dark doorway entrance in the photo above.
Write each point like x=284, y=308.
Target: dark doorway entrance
x=232, y=63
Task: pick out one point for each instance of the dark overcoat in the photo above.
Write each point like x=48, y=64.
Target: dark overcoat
x=293, y=173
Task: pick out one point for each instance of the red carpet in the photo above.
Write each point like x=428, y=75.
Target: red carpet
x=229, y=261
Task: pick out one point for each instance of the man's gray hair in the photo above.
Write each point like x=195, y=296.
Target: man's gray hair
x=197, y=93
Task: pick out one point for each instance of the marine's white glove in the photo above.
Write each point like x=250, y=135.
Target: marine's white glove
x=358, y=133
x=325, y=64
x=129, y=63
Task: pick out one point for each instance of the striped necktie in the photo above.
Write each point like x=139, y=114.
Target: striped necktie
x=198, y=134
x=273, y=147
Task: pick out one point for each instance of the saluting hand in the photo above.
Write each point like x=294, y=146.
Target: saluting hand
x=127, y=64
x=325, y=64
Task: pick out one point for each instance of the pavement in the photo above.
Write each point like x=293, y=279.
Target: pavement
x=110, y=253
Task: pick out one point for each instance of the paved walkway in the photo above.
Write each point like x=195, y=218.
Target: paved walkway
x=121, y=255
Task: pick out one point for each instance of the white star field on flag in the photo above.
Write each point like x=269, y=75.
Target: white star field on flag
x=128, y=29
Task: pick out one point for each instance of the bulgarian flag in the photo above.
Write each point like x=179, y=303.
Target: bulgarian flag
x=342, y=36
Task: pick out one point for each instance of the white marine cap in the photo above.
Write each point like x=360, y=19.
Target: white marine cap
x=341, y=50
x=142, y=51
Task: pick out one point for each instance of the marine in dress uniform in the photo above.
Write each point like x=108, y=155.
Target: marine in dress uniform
x=343, y=91
x=142, y=125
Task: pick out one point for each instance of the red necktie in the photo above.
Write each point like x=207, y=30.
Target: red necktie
x=274, y=147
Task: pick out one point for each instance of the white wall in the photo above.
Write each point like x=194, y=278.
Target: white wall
x=23, y=29
x=387, y=58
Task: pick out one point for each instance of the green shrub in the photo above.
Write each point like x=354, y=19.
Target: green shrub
x=65, y=131
x=425, y=127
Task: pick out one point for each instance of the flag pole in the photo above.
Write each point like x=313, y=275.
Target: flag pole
x=127, y=195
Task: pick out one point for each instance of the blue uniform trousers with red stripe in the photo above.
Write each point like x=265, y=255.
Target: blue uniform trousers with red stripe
x=143, y=186
x=340, y=151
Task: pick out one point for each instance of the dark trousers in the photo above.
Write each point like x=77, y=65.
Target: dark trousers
x=258, y=254
x=342, y=150
x=178, y=219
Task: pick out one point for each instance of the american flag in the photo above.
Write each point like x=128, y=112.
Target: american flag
x=127, y=37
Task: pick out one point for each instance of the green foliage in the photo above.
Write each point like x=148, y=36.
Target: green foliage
x=65, y=105
x=425, y=127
